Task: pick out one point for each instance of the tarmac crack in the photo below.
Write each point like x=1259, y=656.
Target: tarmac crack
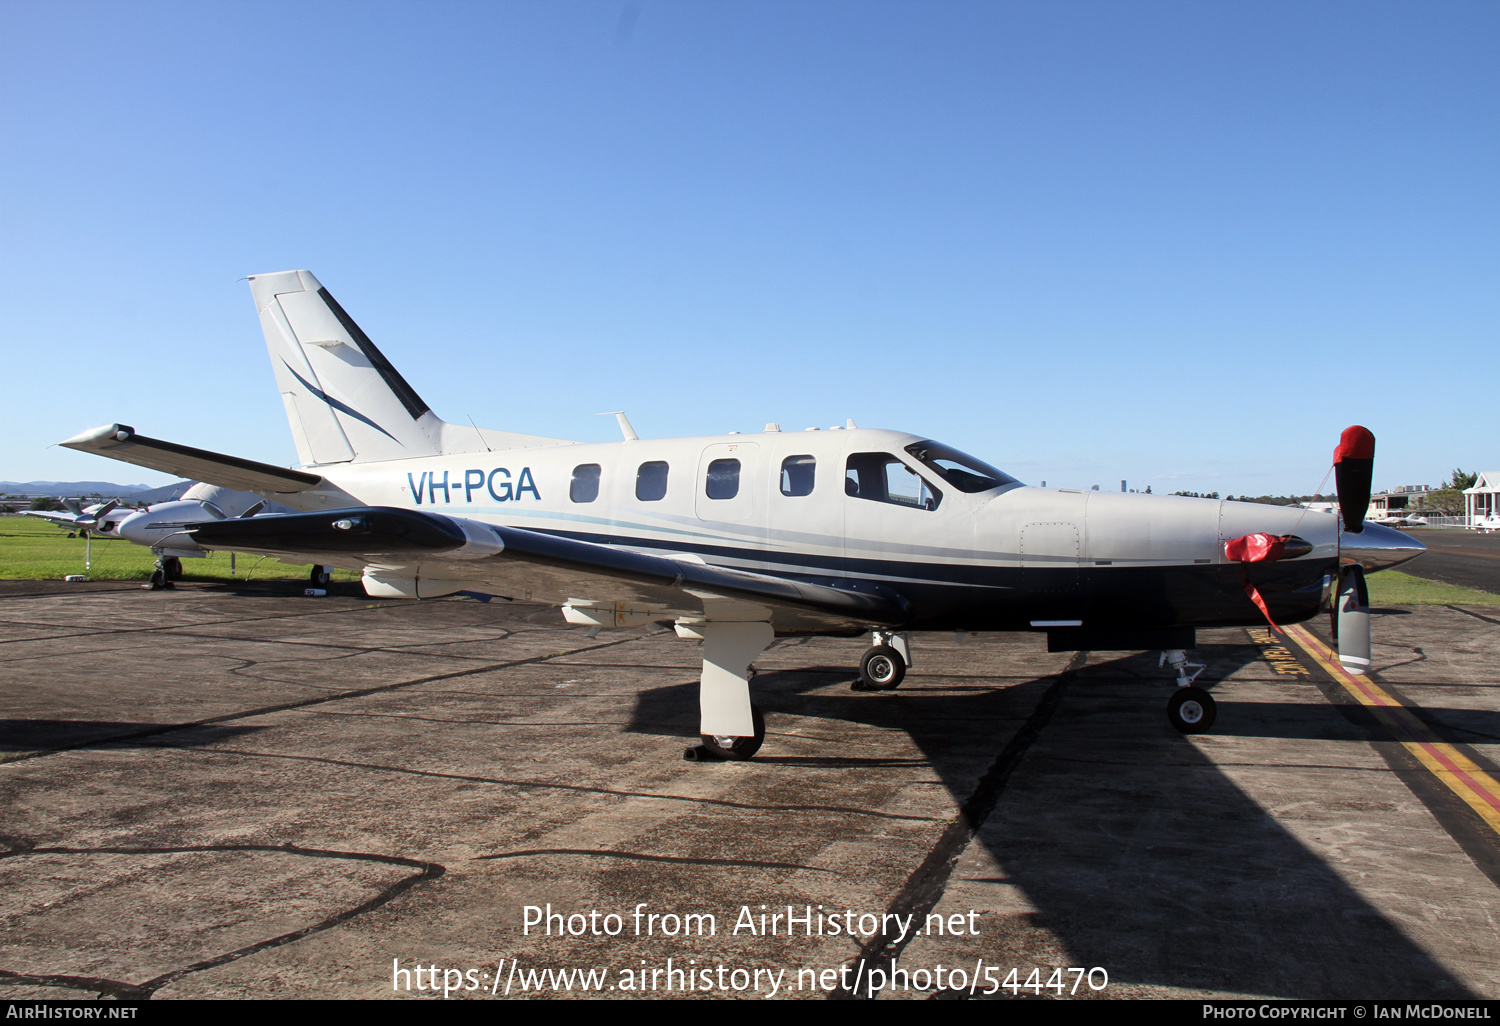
x=144, y=991
x=308, y=702
x=925, y=887
x=640, y=857
x=182, y=626
x=576, y=788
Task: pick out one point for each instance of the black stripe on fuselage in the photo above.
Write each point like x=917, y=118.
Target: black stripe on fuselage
x=955, y=596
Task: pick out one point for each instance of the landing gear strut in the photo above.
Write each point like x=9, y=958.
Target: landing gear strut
x=884, y=664
x=730, y=726
x=1190, y=709
x=168, y=569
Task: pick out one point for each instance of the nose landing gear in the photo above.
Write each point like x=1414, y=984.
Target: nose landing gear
x=1190, y=709
x=168, y=569
x=884, y=665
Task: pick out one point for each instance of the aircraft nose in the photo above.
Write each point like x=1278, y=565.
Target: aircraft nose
x=1378, y=547
x=132, y=528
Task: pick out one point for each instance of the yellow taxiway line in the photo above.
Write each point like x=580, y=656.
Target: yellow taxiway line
x=1479, y=790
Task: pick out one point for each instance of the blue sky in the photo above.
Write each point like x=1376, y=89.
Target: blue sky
x=1179, y=243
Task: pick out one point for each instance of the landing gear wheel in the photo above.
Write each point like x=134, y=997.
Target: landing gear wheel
x=159, y=579
x=881, y=669
x=172, y=567
x=1191, y=710
x=717, y=746
x=319, y=576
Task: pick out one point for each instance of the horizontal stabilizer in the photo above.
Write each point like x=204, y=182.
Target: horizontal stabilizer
x=120, y=442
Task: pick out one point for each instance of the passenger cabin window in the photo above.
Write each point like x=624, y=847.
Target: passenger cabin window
x=585, y=486
x=797, y=475
x=881, y=477
x=651, y=481
x=723, y=479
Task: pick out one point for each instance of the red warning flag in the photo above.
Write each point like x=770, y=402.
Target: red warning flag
x=1257, y=548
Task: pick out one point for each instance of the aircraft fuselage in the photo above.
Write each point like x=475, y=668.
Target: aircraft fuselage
x=1006, y=558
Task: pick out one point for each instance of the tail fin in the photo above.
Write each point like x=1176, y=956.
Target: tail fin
x=344, y=400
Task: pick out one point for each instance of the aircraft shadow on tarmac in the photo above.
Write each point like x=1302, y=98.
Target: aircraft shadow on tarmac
x=1138, y=852
x=47, y=735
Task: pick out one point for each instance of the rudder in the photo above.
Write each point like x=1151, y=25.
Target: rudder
x=344, y=401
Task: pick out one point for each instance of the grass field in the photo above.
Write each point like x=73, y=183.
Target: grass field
x=1393, y=588
x=33, y=550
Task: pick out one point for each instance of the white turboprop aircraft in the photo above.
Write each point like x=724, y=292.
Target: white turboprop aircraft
x=738, y=538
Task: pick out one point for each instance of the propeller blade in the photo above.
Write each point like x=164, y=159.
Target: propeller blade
x=1353, y=468
x=253, y=510
x=1353, y=612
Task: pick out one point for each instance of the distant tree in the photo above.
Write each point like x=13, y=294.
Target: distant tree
x=1195, y=495
x=1461, y=479
x=1445, y=502
x=45, y=503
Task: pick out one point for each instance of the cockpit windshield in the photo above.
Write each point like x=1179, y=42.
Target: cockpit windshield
x=962, y=471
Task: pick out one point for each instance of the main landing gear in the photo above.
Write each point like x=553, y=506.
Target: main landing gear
x=1190, y=709
x=319, y=576
x=731, y=728
x=884, y=664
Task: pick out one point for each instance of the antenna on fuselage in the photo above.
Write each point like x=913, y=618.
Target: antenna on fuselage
x=625, y=428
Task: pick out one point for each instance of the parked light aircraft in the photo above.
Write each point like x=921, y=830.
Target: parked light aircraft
x=99, y=518
x=164, y=527
x=738, y=538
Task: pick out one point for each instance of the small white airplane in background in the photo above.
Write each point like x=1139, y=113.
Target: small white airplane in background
x=738, y=538
x=99, y=518
x=164, y=527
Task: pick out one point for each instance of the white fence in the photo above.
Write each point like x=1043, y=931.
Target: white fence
x=1437, y=521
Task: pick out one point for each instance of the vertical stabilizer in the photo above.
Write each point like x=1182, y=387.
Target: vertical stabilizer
x=344, y=400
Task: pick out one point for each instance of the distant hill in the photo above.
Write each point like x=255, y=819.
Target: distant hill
x=105, y=489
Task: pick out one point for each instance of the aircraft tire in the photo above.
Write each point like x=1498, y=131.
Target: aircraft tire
x=158, y=579
x=319, y=576
x=172, y=566
x=1191, y=710
x=882, y=669
x=736, y=748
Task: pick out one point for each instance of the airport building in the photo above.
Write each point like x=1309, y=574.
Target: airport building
x=1483, y=499
x=1397, y=499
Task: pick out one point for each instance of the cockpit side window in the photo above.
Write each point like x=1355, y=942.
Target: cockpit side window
x=881, y=477
x=959, y=469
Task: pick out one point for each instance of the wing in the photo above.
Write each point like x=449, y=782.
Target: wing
x=120, y=442
x=58, y=518
x=419, y=554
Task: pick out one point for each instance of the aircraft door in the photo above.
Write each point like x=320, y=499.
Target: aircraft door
x=890, y=511
x=729, y=487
